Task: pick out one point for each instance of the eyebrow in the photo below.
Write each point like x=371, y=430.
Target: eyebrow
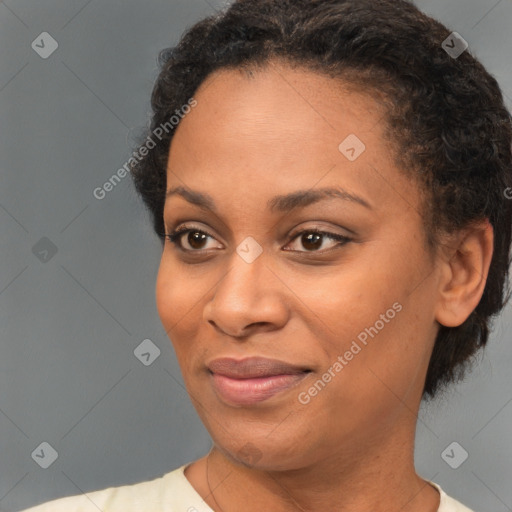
x=282, y=203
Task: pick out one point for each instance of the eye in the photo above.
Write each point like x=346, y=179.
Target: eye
x=190, y=239
x=195, y=239
x=312, y=239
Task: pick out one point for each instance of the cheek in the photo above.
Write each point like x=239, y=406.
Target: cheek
x=349, y=299
x=175, y=297
x=167, y=296
x=180, y=297
x=174, y=304
x=370, y=316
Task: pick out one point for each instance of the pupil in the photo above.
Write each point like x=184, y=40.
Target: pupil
x=194, y=238
x=311, y=238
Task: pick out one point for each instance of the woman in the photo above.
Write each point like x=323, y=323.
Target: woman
x=336, y=233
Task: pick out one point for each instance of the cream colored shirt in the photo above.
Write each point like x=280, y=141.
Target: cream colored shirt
x=169, y=493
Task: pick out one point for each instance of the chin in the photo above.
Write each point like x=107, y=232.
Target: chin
x=262, y=452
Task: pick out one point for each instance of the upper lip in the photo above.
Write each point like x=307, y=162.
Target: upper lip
x=253, y=367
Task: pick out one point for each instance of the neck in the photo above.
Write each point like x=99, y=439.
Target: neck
x=362, y=477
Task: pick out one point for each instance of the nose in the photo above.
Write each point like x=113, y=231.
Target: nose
x=249, y=298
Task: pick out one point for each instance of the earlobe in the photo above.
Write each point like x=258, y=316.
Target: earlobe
x=464, y=274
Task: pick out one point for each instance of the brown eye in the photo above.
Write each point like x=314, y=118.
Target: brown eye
x=189, y=239
x=312, y=240
x=196, y=239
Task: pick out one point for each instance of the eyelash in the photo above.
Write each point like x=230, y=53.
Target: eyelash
x=176, y=235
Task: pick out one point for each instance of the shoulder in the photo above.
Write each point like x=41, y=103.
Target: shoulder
x=150, y=495
x=449, y=504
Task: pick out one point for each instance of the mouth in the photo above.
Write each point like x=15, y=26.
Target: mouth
x=253, y=380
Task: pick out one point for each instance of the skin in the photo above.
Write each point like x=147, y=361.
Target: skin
x=273, y=131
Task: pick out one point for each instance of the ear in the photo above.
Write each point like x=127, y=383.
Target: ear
x=464, y=269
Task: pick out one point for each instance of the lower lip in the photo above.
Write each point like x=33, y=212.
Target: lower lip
x=251, y=391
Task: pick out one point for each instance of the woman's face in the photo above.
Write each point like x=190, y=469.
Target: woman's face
x=352, y=319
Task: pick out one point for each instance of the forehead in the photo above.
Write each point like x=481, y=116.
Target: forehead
x=285, y=101
x=277, y=129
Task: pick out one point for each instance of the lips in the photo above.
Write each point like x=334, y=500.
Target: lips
x=253, y=367
x=252, y=380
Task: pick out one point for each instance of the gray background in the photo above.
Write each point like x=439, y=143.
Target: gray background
x=70, y=321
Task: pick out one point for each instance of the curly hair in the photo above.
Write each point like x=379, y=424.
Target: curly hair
x=445, y=119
